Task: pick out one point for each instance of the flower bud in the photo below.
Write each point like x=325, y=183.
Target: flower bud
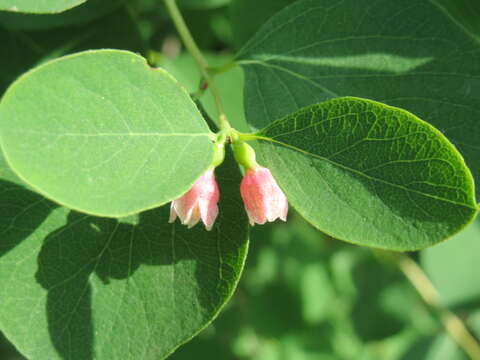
x=245, y=155
x=200, y=202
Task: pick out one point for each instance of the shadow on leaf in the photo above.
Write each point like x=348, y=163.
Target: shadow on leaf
x=21, y=212
x=139, y=283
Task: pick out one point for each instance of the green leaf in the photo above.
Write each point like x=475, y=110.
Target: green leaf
x=103, y=133
x=7, y=350
x=408, y=54
x=82, y=287
x=457, y=283
x=370, y=174
x=39, y=6
x=29, y=48
x=248, y=16
x=465, y=12
x=86, y=12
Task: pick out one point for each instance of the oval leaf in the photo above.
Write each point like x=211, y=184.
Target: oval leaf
x=409, y=54
x=103, y=133
x=370, y=174
x=38, y=6
x=82, y=287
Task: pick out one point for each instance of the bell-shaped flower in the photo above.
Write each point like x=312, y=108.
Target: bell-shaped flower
x=200, y=202
x=263, y=199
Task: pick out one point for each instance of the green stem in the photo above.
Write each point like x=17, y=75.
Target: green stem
x=197, y=55
x=452, y=323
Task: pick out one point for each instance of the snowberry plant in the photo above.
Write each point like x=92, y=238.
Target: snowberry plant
x=362, y=116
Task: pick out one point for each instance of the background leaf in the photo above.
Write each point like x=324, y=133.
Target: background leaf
x=93, y=130
x=369, y=174
x=249, y=15
x=408, y=54
x=27, y=49
x=83, y=13
x=39, y=6
x=83, y=287
x=466, y=12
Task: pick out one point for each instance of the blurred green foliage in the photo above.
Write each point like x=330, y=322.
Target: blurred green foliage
x=459, y=288
x=303, y=295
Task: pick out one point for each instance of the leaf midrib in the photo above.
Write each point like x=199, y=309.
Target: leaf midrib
x=357, y=172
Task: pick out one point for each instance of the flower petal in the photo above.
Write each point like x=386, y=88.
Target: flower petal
x=193, y=217
x=208, y=212
x=173, y=213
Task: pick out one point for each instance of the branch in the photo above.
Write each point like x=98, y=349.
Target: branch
x=197, y=55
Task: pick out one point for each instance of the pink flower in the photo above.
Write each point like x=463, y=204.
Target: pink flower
x=200, y=202
x=262, y=197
